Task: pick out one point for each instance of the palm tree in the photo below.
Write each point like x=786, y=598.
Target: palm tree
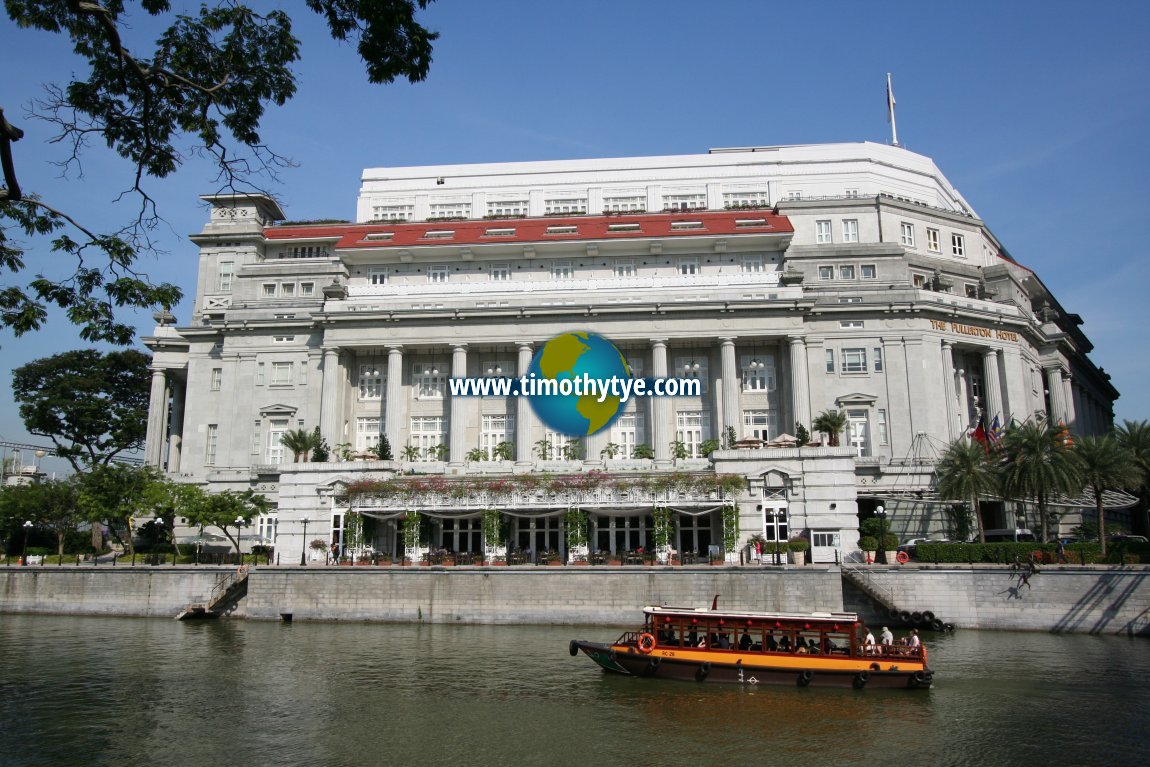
x=965, y=472
x=831, y=423
x=301, y=442
x=1106, y=465
x=1037, y=462
x=1135, y=437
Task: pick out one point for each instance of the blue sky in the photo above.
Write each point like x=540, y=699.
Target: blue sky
x=1037, y=111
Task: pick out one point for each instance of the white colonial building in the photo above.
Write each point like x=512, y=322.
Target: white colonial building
x=789, y=280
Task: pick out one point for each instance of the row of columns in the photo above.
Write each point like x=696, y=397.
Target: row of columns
x=163, y=418
x=660, y=414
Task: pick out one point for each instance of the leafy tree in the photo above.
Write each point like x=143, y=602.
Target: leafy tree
x=301, y=442
x=411, y=453
x=322, y=451
x=543, y=449
x=1135, y=437
x=831, y=423
x=708, y=446
x=111, y=495
x=476, y=454
x=965, y=472
x=382, y=449
x=1106, y=465
x=643, y=450
x=92, y=405
x=1037, y=462
x=221, y=510
x=200, y=88
x=504, y=451
x=802, y=436
x=610, y=451
x=51, y=505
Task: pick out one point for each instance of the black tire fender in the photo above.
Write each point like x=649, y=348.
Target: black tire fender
x=805, y=677
x=860, y=680
x=918, y=679
x=904, y=616
x=937, y=625
x=928, y=616
x=573, y=648
x=916, y=618
x=703, y=671
x=612, y=656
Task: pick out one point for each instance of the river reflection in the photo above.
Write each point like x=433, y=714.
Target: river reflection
x=93, y=691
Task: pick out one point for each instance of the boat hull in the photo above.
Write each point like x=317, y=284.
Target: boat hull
x=757, y=668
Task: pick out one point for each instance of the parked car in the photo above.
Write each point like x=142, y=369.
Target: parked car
x=911, y=546
x=1127, y=538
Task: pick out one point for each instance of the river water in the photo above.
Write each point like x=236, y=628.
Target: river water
x=116, y=691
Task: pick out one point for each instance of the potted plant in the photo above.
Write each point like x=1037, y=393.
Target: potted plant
x=411, y=453
x=679, y=450
x=708, y=446
x=643, y=451
x=504, y=451
x=798, y=548
x=475, y=454
x=869, y=545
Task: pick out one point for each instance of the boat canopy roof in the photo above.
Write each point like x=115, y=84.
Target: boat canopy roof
x=703, y=612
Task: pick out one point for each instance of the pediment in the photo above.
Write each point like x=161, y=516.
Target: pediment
x=274, y=410
x=858, y=398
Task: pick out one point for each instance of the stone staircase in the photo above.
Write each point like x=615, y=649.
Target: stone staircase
x=224, y=599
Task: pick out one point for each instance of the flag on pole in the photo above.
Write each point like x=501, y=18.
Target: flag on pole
x=996, y=431
x=979, y=433
x=890, y=102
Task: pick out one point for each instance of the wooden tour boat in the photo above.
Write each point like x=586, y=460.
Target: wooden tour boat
x=807, y=650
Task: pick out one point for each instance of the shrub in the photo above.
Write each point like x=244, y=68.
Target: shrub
x=868, y=543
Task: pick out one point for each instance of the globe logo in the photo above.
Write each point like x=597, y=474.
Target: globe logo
x=572, y=356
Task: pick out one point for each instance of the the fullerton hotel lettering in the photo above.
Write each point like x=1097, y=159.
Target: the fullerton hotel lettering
x=972, y=330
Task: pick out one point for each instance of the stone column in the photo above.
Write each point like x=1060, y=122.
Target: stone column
x=329, y=397
x=396, y=404
x=730, y=386
x=963, y=401
x=1068, y=400
x=177, y=426
x=457, y=434
x=524, y=417
x=1016, y=385
x=157, y=412
x=993, y=384
x=660, y=433
x=953, y=426
x=800, y=390
x=1057, y=395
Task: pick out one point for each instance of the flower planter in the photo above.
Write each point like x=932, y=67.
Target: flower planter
x=555, y=563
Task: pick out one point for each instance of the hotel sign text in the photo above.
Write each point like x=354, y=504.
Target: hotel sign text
x=973, y=330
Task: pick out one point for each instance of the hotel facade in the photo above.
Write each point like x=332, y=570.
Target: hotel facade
x=788, y=280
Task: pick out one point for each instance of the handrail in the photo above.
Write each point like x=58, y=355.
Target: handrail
x=884, y=594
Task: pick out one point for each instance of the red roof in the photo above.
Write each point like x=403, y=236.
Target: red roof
x=525, y=230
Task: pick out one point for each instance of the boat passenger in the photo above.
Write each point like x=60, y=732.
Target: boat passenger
x=785, y=644
x=745, y=641
x=772, y=643
x=868, y=647
x=913, y=639
x=724, y=642
x=887, y=637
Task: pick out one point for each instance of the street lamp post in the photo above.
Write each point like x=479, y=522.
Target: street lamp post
x=24, y=554
x=880, y=512
x=159, y=528
x=303, y=549
x=239, y=535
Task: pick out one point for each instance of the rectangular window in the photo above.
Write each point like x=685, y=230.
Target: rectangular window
x=449, y=210
x=847, y=272
x=269, y=290
x=826, y=272
x=850, y=324
x=624, y=267
x=882, y=436
x=217, y=379
x=282, y=373
x=868, y=272
x=850, y=230
x=752, y=264
x=825, y=540
x=624, y=227
x=562, y=270
x=830, y=360
x=823, y=232
x=878, y=359
x=918, y=280
x=758, y=372
x=428, y=380
x=287, y=289
x=627, y=432
x=377, y=275
x=624, y=204
x=971, y=290
x=366, y=432
x=496, y=428
x=958, y=246
x=392, y=212
x=437, y=273
x=794, y=194
x=283, y=339
x=562, y=230
x=256, y=437
x=745, y=199
x=850, y=299
x=688, y=266
x=906, y=235
x=224, y=277
x=565, y=206
x=759, y=424
x=307, y=289
x=500, y=272
x=259, y=374
x=851, y=193
x=277, y=427
x=677, y=226
x=212, y=442
x=692, y=367
x=854, y=360
x=427, y=434
x=371, y=379
x=684, y=201
x=933, y=243
x=507, y=208
x=692, y=427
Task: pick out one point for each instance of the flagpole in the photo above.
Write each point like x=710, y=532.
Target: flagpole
x=890, y=111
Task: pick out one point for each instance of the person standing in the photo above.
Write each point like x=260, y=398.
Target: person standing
x=868, y=643
x=913, y=639
x=887, y=637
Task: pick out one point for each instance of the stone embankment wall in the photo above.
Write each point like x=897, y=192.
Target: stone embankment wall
x=561, y=595
x=1089, y=599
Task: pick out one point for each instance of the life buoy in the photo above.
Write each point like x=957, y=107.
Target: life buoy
x=902, y=557
x=646, y=643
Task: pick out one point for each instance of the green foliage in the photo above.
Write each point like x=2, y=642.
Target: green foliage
x=1134, y=436
x=708, y=446
x=730, y=526
x=321, y=452
x=729, y=438
x=51, y=505
x=494, y=527
x=438, y=452
x=221, y=510
x=610, y=451
x=1105, y=465
x=572, y=450
x=964, y=473
x=679, y=449
x=798, y=544
x=543, y=449
x=197, y=87
x=643, y=451
x=411, y=453
x=1005, y=553
x=92, y=405
x=476, y=454
x=382, y=449
x=831, y=423
x=344, y=451
x=504, y=451
x=868, y=543
x=663, y=525
x=411, y=530
x=111, y=495
x=576, y=523
x=1036, y=462
x=802, y=436
x=301, y=442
